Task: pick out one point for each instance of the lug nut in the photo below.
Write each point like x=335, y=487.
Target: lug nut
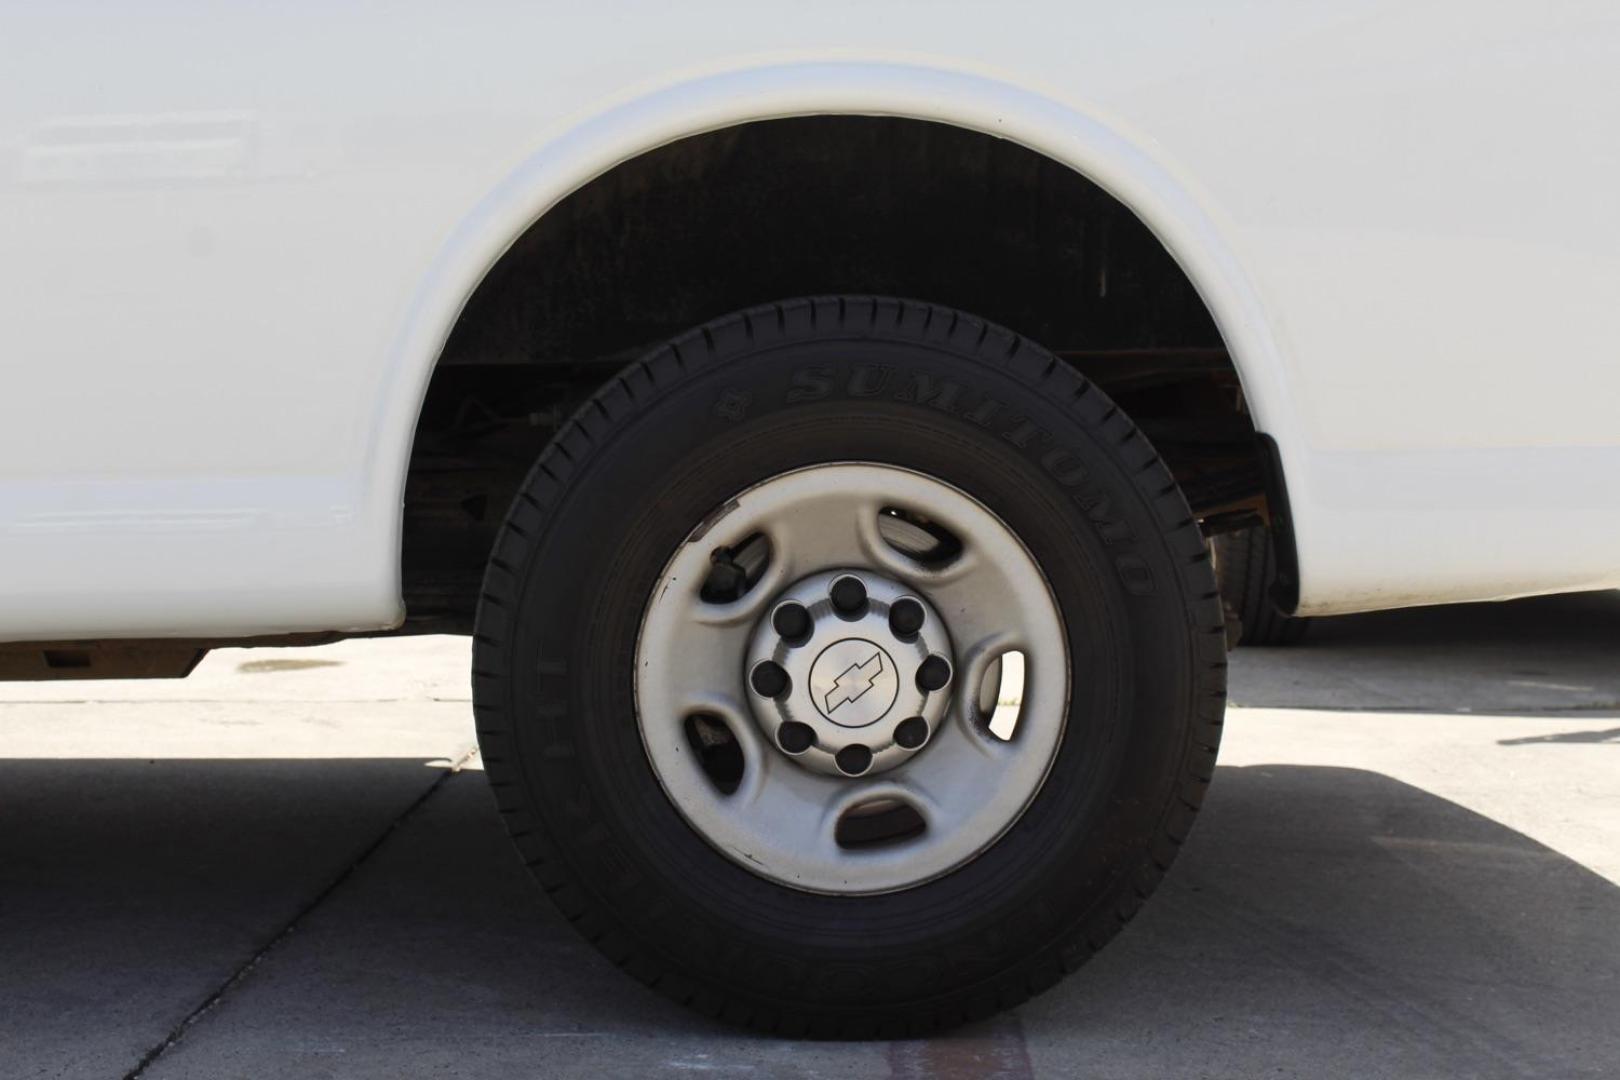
x=849, y=596
x=911, y=732
x=795, y=737
x=769, y=680
x=792, y=622
x=905, y=618
x=853, y=760
x=933, y=675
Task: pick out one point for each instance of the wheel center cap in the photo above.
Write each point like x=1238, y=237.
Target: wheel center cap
x=849, y=673
x=853, y=682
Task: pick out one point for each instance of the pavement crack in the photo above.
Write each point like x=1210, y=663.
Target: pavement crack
x=270, y=944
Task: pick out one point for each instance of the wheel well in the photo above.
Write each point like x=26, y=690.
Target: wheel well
x=782, y=208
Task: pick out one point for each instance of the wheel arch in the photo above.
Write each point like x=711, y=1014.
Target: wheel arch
x=592, y=145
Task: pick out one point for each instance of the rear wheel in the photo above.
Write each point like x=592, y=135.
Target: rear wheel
x=1246, y=566
x=849, y=667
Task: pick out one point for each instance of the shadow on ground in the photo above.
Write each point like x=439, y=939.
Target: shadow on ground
x=1547, y=653
x=1320, y=922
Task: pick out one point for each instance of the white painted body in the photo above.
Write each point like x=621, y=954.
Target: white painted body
x=234, y=237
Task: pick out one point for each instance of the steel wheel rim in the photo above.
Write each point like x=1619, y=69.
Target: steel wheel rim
x=697, y=657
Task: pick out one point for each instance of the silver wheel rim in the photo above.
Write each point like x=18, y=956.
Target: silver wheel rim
x=824, y=524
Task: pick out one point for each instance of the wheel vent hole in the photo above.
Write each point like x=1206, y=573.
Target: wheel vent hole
x=734, y=570
x=917, y=537
x=716, y=749
x=878, y=823
x=1001, y=695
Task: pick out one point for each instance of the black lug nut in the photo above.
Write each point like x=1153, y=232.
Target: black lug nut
x=849, y=596
x=906, y=618
x=934, y=674
x=795, y=737
x=769, y=679
x=792, y=622
x=911, y=732
x=853, y=760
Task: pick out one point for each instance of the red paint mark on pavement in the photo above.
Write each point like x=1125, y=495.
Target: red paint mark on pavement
x=992, y=1051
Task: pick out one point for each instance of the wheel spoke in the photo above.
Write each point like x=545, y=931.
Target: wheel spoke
x=790, y=807
x=968, y=768
x=820, y=533
x=706, y=661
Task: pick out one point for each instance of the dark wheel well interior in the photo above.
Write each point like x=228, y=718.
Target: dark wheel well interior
x=786, y=208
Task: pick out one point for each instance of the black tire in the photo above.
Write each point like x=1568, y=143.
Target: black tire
x=676, y=435
x=1246, y=566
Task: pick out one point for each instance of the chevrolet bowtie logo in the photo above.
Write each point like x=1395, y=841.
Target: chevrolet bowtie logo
x=856, y=680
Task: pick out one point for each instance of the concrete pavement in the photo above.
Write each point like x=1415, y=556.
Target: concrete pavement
x=288, y=865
